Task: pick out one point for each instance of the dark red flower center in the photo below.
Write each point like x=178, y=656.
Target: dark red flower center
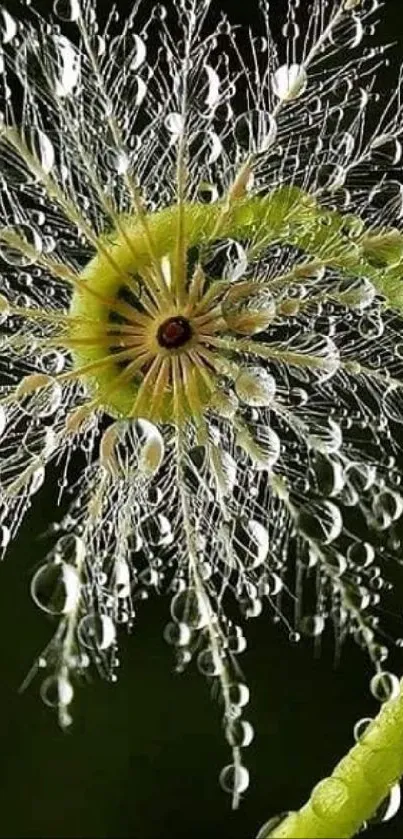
x=174, y=333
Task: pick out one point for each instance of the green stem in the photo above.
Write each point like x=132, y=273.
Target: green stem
x=340, y=804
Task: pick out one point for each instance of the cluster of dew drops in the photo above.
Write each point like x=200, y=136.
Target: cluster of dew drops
x=97, y=632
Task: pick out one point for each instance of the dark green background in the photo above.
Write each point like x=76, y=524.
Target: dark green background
x=143, y=756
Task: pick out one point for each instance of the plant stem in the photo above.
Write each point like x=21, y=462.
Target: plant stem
x=340, y=804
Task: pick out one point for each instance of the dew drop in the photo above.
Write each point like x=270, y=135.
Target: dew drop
x=361, y=554
x=152, y=448
x=250, y=542
x=209, y=664
x=256, y=131
x=389, y=807
x=321, y=521
x=289, y=82
x=55, y=588
x=174, y=124
x=3, y=420
x=177, y=634
x=234, y=779
x=268, y=827
x=239, y=733
x=361, y=727
x=386, y=149
x=56, y=691
x=42, y=148
x=187, y=607
x=68, y=10
x=255, y=386
x=312, y=625
x=97, y=632
x=21, y=246
x=39, y=395
x=248, y=310
x=239, y=694
x=384, y=685
x=8, y=27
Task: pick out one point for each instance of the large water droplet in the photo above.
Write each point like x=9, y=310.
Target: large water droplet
x=56, y=691
x=361, y=554
x=97, y=632
x=312, y=625
x=250, y=542
x=255, y=386
x=248, y=310
x=234, y=779
x=389, y=807
x=20, y=245
x=42, y=148
x=187, y=607
x=239, y=733
x=40, y=395
x=8, y=27
x=67, y=10
x=256, y=130
x=289, y=82
x=55, y=588
x=384, y=686
x=321, y=521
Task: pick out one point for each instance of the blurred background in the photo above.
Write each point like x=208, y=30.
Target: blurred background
x=143, y=756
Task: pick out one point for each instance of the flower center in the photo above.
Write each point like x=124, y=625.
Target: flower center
x=174, y=333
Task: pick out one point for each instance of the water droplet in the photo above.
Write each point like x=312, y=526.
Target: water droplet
x=256, y=131
x=152, y=448
x=255, y=386
x=239, y=733
x=333, y=789
x=40, y=395
x=272, y=823
x=386, y=150
x=236, y=640
x=371, y=326
x=248, y=310
x=361, y=727
x=321, y=521
x=97, y=632
x=42, y=148
x=174, y=124
x=187, y=607
x=139, y=54
x=234, y=779
x=327, y=439
x=209, y=664
x=55, y=588
x=177, y=634
x=56, y=691
x=389, y=807
x=326, y=475
x=312, y=625
x=68, y=10
x=239, y=694
x=384, y=686
x=348, y=33
x=122, y=578
x=8, y=27
x=250, y=542
x=389, y=504
x=330, y=176
x=157, y=530
x=289, y=82
x=361, y=554
x=20, y=245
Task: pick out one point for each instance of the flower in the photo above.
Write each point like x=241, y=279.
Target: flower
x=200, y=257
